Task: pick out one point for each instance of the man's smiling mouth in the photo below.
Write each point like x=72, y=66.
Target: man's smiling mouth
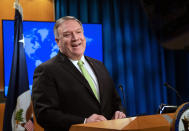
x=76, y=45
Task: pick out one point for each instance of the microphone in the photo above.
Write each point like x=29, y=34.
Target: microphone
x=163, y=108
x=121, y=87
x=173, y=89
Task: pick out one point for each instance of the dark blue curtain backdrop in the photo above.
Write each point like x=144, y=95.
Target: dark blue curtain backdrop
x=177, y=68
x=132, y=54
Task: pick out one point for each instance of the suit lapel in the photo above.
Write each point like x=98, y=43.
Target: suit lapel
x=69, y=66
x=98, y=74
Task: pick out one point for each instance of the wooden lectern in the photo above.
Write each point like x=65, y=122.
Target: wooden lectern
x=160, y=122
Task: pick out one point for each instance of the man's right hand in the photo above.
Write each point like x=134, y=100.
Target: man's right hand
x=95, y=118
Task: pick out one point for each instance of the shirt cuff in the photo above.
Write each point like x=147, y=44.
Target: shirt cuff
x=85, y=121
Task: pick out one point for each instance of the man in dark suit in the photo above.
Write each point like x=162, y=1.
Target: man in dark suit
x=72, y=88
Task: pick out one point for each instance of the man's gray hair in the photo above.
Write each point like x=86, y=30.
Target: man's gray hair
x=62, y=20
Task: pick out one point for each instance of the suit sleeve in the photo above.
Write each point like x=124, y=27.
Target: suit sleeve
x=46, y=102
x=116, y=100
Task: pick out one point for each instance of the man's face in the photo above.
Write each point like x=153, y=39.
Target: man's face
x=71, y=40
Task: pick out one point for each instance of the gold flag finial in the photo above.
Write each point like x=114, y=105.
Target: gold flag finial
x=18, y=7
x=16, y=1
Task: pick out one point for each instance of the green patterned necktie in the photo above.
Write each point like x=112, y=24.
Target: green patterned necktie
x=88, y=78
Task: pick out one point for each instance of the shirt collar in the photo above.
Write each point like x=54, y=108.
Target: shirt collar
x=75, y=61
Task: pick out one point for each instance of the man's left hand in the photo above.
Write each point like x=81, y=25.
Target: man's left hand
x=118, y=115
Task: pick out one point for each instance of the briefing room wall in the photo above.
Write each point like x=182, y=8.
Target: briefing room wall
x=36, y=10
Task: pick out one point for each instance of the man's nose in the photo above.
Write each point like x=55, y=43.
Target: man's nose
x=74, y=37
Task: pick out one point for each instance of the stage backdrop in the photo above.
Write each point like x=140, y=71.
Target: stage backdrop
x=36, y=10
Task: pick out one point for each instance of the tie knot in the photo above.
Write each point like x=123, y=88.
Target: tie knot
x=80, y=63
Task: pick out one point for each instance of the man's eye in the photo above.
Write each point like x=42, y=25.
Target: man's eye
x=79, y=32
x=66, y=35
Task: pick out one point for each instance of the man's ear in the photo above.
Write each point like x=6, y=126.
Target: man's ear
x=57, y=40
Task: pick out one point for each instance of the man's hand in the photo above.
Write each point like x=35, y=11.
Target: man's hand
x=118, y=115
x=95, y=118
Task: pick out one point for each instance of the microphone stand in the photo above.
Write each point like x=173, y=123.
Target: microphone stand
x=121, y=88
x=174, y=90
